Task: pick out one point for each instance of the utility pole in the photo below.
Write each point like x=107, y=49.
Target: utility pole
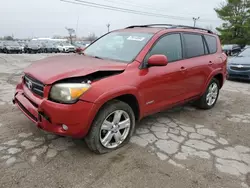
x=77, y=22
x=195, y=19
x=108, y=25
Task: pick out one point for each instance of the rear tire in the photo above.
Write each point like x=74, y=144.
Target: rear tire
x=209, y=98
x=97, y=133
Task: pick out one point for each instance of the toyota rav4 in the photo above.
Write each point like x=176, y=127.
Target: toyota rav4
x=122, y=77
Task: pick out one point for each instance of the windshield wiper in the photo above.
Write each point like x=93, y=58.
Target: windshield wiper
x=97, y=57
x=94, y=56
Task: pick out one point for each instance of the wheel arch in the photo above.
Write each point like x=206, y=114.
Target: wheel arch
x=129, y=96
x=219, y=77
x=217, y=74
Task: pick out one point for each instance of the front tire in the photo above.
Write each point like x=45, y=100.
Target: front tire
x=112, y=127
x=209, y=98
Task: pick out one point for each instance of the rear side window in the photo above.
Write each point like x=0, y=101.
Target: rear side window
x=170, y=46
x=193, y=45
x=212, y=43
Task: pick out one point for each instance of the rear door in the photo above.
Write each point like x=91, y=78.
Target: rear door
x=196, y=63
x=216, y=59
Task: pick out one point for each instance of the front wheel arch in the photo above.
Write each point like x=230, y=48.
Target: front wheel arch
x=93, y=137
x=122, y=96
x=129, y=99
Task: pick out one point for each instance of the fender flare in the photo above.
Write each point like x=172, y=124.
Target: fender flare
x=212, y=75
x=114, y=93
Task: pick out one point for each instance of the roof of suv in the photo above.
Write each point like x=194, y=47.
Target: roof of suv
x=154, y=28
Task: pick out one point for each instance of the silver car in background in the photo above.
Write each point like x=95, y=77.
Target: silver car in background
x=11, y=47
x=239, y=66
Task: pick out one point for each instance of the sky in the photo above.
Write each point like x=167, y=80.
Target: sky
x=46, y=18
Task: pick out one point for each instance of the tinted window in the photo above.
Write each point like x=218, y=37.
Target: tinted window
x=170, y=46
x=11, y=43
x=212, y=43
x=193, y=45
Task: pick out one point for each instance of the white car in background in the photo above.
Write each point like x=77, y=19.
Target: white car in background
x=66, y=47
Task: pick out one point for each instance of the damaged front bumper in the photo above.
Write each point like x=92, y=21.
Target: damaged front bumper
x=53, y=117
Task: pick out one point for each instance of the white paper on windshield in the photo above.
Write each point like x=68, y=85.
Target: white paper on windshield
x=136, y=38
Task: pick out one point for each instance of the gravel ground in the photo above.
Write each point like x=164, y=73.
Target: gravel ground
x=182, y=147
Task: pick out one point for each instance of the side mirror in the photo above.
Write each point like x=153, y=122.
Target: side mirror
x=157, y=60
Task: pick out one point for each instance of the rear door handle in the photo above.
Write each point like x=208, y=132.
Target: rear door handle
x=183, y=68
x=210, y=63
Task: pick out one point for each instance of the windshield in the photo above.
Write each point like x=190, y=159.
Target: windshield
x=120, y=46
x=79, y=45
x=11, y=43
x=33, y=43
x=245, y=53
x=49, y=45
x=65, y=44
x=227, y=47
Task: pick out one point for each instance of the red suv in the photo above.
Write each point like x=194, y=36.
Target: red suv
x=122, y=77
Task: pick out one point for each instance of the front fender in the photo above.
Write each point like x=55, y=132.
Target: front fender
x=119, y=91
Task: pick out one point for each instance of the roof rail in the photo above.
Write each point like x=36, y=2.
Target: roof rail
x=170, y=26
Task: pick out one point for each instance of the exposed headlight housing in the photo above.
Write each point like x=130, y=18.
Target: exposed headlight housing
x=68, y=92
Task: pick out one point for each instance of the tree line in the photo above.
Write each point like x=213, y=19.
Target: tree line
x=236, y=22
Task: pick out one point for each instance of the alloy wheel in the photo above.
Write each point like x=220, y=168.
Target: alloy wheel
x=115, y=129
x=212, y=94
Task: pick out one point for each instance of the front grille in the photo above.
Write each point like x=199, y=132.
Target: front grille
x=240, y=68
x=239, y=76
x=34, y=85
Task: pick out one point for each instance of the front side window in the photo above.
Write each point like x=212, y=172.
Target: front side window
x=170, y=46
x=194, y=45
x=11, y=43
x=120, y=46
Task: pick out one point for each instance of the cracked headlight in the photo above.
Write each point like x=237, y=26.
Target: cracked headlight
x=68, y=92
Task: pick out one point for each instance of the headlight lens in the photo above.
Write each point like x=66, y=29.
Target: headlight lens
x=68, y=92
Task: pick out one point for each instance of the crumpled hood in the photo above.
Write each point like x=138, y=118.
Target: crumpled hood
x=56, y=68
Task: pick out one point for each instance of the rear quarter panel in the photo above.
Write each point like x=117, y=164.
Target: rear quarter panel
x=219, y=66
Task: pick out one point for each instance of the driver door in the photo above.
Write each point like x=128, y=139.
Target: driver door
x=163, y=86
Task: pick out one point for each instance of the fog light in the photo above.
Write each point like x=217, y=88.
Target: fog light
x=65, y=127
